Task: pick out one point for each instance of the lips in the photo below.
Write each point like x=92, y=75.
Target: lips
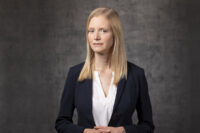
x=97, y=44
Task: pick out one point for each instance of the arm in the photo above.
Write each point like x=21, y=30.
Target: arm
x=144, y=110
x=64, y=122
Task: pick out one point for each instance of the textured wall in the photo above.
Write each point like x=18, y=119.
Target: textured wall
x=40, y=40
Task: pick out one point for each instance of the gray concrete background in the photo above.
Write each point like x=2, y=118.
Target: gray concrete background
x=40, y=40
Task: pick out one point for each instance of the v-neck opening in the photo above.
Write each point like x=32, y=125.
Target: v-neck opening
x=101, y=87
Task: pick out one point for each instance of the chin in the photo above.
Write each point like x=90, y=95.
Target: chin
x=98, y=50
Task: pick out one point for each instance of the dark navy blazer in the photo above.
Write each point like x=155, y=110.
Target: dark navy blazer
x=131, y=94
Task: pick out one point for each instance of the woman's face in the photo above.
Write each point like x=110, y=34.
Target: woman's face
x=100, y=36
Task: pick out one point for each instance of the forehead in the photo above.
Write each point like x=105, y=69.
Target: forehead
x=99, y=21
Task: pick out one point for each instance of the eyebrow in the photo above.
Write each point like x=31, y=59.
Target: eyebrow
x=99, y=28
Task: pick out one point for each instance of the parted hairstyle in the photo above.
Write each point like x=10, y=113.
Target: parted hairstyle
x=118, y=55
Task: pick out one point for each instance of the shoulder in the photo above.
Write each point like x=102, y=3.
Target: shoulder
x=76, y=69
x=136, y=74
x=77, y=66
x=134, y=68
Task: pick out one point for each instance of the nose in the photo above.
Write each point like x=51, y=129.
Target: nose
x=97, y=36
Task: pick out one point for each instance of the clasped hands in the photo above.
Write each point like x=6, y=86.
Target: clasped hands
x=105, y=129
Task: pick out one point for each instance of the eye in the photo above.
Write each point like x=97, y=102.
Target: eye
x=103, y=30
x=91, y=31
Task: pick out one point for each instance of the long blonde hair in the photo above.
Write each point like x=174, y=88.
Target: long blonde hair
x=118, y=56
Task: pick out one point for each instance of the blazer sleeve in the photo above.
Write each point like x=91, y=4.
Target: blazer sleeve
x=64, y=123
x=143, y=108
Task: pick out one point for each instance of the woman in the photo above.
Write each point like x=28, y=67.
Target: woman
x=106, y=88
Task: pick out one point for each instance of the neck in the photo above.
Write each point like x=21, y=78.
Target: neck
x=102, y=62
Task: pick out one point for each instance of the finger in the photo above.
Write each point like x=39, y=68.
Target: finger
x=98, y=127
x=104, y=130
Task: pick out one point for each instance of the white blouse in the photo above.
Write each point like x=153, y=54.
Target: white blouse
x=102, y=107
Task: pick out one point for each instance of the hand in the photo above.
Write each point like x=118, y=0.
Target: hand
x=105, y=129
x=88, y=130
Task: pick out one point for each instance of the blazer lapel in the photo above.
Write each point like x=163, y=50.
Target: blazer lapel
x=120, y=87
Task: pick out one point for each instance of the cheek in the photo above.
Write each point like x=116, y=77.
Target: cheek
x=109, y=40
x=90, y=39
